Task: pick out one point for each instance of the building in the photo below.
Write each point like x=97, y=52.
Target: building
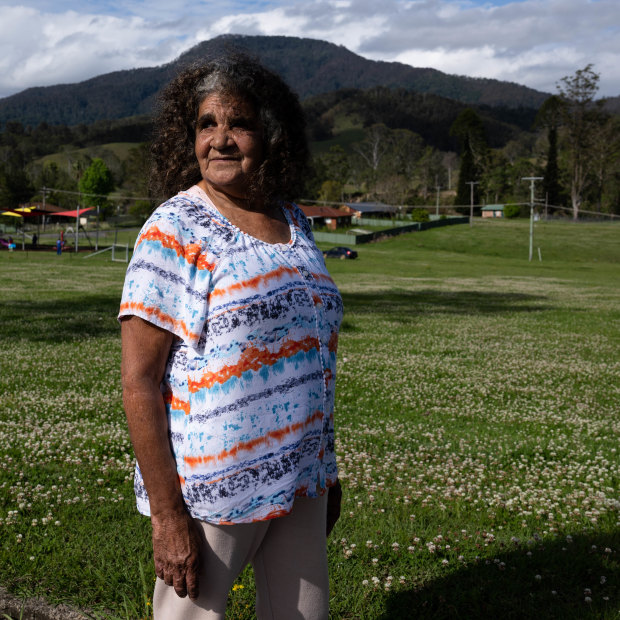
x=327, y=216
x=371, y=209
x=493, y=211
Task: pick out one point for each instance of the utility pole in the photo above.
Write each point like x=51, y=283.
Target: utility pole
x=97, y=238
x=44, y=191
x=77, y=227
x=471, y=200
x=437, y=187
x=532, y=181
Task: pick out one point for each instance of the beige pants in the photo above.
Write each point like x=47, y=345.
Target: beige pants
x=289, y=558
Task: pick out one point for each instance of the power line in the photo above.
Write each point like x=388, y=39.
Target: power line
x=66, y=191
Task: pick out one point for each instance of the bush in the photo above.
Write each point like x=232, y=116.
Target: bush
x=420, y=215
x=512, y=211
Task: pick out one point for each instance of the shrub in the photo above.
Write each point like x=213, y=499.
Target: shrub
x=512, y=211
x=420, y=215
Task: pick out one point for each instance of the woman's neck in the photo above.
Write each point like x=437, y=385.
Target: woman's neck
x=225, y=201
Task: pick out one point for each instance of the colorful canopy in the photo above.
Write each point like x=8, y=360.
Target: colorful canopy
x=73, y=213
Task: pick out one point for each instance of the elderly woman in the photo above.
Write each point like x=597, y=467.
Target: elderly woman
x=229, y=324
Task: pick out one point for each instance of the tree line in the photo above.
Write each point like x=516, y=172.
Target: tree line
x=380, y=144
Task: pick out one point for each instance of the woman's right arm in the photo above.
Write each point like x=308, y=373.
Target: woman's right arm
x=176, y=539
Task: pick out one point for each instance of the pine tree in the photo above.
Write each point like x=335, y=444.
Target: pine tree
x=469, y=130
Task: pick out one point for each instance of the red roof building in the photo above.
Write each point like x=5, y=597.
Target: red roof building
x=329, y=217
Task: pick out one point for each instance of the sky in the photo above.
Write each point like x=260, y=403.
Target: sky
x=531, y=42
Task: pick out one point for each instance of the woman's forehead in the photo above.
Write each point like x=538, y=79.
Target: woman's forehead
x=226, y=104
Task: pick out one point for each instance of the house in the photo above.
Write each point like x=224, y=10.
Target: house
x=326, y=216
x=493, y=211
x=371, y=209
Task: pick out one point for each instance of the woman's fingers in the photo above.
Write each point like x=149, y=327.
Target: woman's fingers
x=179, y=585
x=176, y=547
x=191, y=581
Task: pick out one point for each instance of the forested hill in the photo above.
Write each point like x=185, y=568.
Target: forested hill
x=310, y=66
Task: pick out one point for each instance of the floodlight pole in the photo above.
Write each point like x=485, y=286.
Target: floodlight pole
x=532, y=181
x=471, y=200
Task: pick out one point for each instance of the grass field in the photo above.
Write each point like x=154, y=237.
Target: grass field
x=478, y=431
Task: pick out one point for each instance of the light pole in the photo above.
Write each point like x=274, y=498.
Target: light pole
x=471, y=200
x=532, y=181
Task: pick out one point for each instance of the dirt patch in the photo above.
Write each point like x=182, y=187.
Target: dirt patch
x=35, y=609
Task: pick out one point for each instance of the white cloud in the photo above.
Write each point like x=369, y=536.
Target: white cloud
x=533, y=42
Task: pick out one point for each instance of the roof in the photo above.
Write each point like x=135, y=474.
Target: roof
x=37, y=208
x=318, y=211
x=493, y=208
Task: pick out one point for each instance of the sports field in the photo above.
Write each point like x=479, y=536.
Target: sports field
x=478, y=428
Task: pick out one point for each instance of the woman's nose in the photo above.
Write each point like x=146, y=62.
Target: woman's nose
x=221, y=138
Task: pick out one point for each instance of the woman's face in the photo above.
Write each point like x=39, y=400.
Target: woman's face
x=228, y=143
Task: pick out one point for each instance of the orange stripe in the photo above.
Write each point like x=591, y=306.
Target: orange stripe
x=255, y=281
x=253, y=358
x=276, y=513
x=190, y=252
x=328, y=376
x=333, y=342
x=323, y=276
x=248, y=446
x=176, y=325
x=176, y=403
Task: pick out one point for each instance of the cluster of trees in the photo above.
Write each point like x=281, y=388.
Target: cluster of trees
x=390, y=145
x=572, y=141
x=80, y=163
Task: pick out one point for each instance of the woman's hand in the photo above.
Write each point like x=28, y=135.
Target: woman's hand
x=334, y=498
x=176, y=551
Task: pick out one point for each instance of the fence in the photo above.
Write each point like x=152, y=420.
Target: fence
x=351, y=239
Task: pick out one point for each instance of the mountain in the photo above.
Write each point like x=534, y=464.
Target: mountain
x=310, y=66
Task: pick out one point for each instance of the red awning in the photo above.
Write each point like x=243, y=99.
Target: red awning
x=72, y=213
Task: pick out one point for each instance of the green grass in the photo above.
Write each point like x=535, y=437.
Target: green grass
x=70, y=153
x=477, y=411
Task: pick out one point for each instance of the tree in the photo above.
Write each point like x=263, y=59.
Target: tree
x=469, y=130
x=373, y=148
x=605, y=163
x=550, y=116
x=337, y=169
x=97, y=179
x=582, y=118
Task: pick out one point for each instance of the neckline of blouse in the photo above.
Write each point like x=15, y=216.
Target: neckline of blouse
x=198, y=192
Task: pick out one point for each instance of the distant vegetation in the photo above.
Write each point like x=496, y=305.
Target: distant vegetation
x=378, y=131
x=310, y=66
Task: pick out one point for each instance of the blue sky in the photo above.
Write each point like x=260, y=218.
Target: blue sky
x=531, y=42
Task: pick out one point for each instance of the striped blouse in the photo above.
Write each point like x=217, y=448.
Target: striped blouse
x=249, y=382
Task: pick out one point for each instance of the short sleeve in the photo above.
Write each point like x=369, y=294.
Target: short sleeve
x=168, y=277
x=303, y=223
